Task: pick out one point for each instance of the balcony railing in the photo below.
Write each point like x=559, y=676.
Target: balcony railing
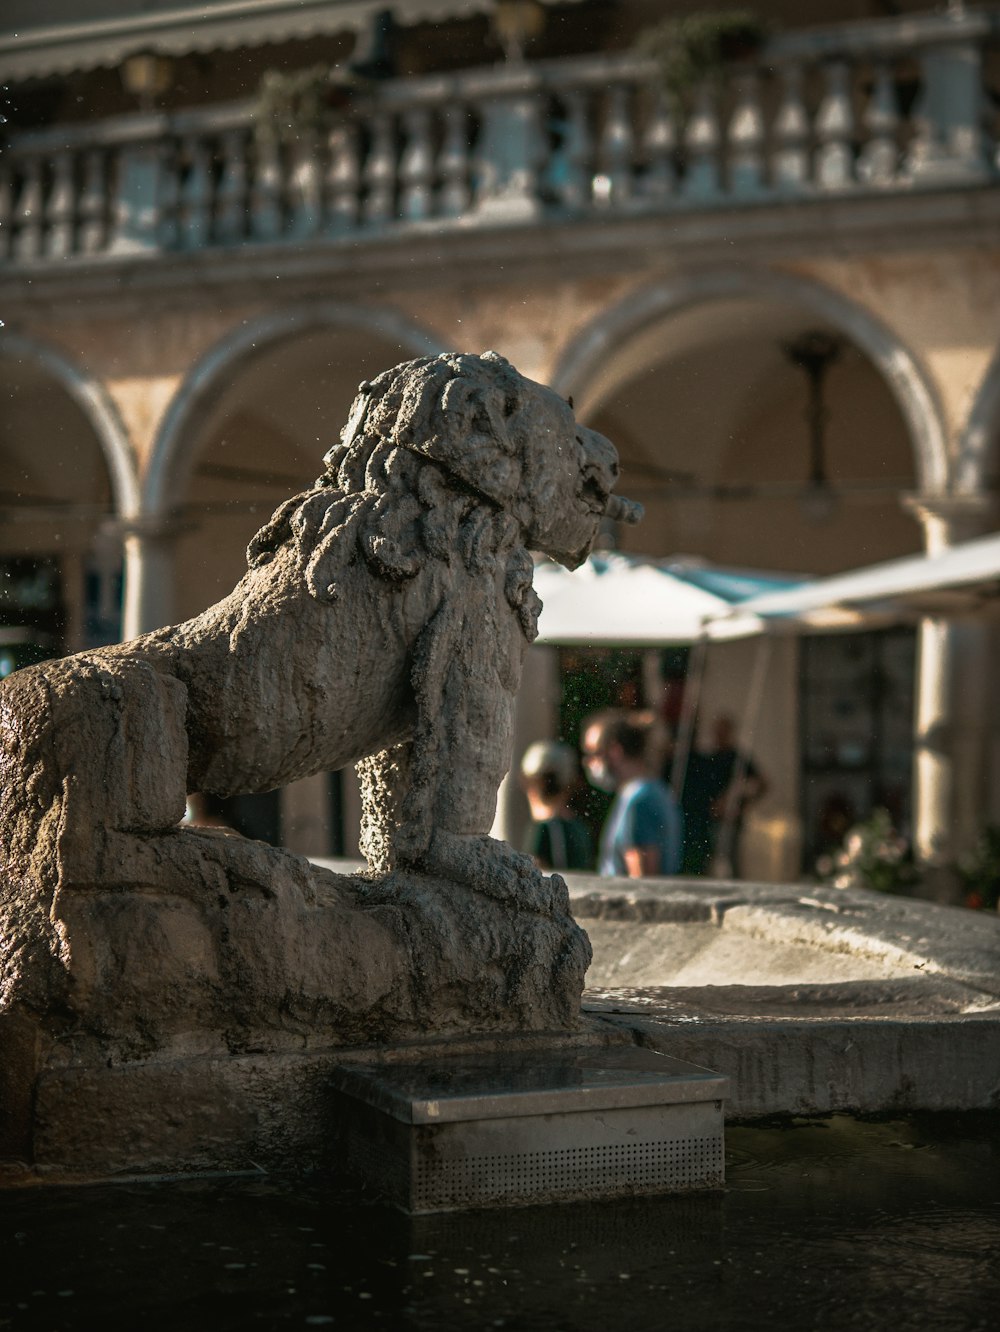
x=861, y=109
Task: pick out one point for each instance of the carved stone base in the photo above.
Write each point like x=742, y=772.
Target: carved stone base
x=175, y=1113
x=159, y=1005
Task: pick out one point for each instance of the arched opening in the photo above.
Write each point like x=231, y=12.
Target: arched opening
x=714, y=422
x=747, y=458
x=60, y=551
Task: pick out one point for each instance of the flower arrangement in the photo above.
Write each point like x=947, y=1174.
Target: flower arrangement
x=873, y=856
x=979, y=872
x=692, y=49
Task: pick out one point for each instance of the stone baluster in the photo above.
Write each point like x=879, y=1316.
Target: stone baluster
x=659, y=142
x=195, y=194
x=29, y=211
x=746, y=138
x=305, y=188
x=138, y=185
x=878, y=161
x=416, y=166
x=453, y=162
x=380, y=172
x=343, y=177
x=231, y=195
x=92, y=209
x=949, y=146
x=267, y=212
x=568, y=174
x=701, y=144
x=60, y=207
x=510, y=157
x=790, y=136
x=615, y=153
x=835, y=130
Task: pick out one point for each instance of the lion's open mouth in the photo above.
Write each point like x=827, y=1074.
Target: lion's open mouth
x=603, y=504
x=593, y=493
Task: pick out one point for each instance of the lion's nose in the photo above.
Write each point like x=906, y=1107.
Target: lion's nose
x=601, y=453
x=603, y=457
x=622, y=510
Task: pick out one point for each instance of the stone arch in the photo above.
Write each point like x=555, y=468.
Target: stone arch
x=171, y=453
x=977, y=463
x=906, y=379
x=98, y=409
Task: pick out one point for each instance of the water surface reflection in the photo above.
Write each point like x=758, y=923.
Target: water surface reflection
x=823, y=1225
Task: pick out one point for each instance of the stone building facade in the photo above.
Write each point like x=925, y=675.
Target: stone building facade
x=189, y=306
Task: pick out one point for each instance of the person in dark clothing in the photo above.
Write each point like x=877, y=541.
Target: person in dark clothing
x=557, y=838
x=719, y=785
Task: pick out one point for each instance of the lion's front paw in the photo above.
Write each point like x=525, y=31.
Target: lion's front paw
x=496, y=869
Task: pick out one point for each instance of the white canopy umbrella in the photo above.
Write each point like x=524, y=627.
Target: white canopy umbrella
x=618, y=600
x=963, y=579
x=622, y=600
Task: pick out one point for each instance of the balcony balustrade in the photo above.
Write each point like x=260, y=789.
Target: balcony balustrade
x=857, y=110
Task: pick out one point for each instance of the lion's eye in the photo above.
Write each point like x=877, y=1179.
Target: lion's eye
x=569, y=402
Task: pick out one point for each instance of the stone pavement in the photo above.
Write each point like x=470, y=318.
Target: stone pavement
x=811, y=999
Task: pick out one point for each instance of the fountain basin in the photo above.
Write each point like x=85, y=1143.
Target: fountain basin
x=811, y=1000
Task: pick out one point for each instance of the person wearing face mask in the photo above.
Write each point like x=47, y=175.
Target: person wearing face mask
x=642, y=835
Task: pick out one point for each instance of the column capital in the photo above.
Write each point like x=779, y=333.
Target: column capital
x=948, y=520
x=152, y=526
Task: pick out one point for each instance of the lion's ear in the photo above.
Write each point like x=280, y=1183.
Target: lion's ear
x=475, y=411
x=471, y=439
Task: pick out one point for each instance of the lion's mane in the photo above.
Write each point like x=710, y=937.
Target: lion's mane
x=420, y=473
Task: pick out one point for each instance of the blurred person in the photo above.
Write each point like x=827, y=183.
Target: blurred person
x=642, y=835
x=558, y=838
x=719, y=786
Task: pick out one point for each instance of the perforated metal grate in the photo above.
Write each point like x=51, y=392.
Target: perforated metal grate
x=571, y=1172
x=493, y=1131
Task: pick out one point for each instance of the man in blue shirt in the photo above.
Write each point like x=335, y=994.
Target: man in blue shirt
x=642, y=835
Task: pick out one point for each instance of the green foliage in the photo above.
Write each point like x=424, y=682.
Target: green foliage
x=690, y=50
x=873, y=856
x=979, y=871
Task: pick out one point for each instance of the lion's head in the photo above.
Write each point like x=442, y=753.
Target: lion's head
x=512, y=441
x=451, y=450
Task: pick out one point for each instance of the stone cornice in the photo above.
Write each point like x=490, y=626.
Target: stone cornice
x=417, y=256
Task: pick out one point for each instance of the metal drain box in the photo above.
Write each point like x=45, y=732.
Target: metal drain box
x=497, y=1130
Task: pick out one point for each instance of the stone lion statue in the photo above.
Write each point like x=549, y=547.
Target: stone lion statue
x=382, y=621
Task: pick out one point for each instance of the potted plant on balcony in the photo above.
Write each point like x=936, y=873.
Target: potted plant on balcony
x=303, y=102
x=694, y=49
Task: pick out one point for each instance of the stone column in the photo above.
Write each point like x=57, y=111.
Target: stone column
x=149, y=573
x=954, y=725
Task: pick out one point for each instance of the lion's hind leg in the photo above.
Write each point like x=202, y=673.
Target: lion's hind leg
x=101, y=763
